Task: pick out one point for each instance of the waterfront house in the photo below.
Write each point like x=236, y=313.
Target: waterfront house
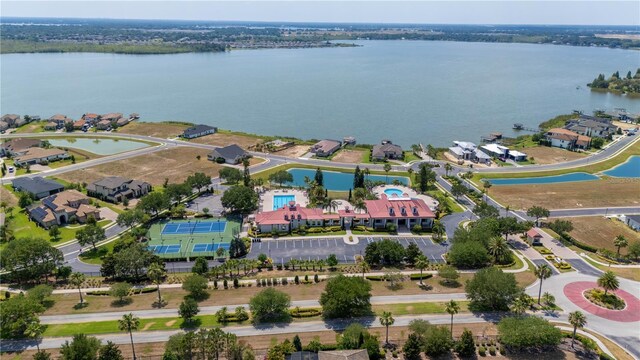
x=39, y=156
x=567, y=139
x=15, y=147
x=325, y=148
x=103, y=125
x=534, y=237
x=79, y=124
x=463, y=150
x=503, y=153
x=60, y=120
x=115, y=189
x=37, y=186
x=122, y=122
x=62, y=208
x=592, y=126
x=51, y=125
x=4, y=126
x=12, y=120
x=231, y=154
x=386, y=150
x=91, y=118
x=198, y=130
x=633, y=221
x=111, y=117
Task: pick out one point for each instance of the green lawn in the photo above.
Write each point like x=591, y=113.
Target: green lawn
x=418, y=308
x=410, y=156
x=22, y=227
x=453, y=204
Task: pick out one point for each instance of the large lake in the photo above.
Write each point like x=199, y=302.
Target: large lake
x=407, y=91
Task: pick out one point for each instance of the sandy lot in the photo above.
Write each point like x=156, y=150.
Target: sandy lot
x=551, y=155
x=224, y=139
x=8, y=197
x=349, y=156
x=598, y=193
x=599, y=231
x=294, y=151
x=161, y=130
x=176, y=164
x=624, y=126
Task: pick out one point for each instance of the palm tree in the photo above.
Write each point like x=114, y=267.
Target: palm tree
x=486, y=185
x=156, y=273
x=438, y=230
x=387, y=168
x=578, y=320
x=364, y=266
x=387, y=320
x=519, y=306
x=498, y=248
x=367, y=172
x=33, y=331
x=421, y=263
x=608, y=281
x=452, y=308
x=77, y=279
x=447, y=168
x=360, y=205
x=542, y=272
x=620, y=241
x=548, y=299
x=129, y=323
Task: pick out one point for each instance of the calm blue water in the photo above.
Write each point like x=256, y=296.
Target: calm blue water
x=98, y=146
x=580, y=176
x=628, y=169
x=407, y=91
x=282, y=200
x=337, y=181
x=391, y=192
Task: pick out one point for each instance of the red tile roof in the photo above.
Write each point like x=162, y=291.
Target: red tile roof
x=533, y=233
x=278, y=216
x=385, y=208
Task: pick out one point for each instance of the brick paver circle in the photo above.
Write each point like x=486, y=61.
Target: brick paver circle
x=574, y=291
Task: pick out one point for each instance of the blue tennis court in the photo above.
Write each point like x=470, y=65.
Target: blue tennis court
x=165, y=249
x=209, y=247
x=198, y=227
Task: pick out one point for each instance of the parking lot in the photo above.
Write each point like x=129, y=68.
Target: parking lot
x=283, y=250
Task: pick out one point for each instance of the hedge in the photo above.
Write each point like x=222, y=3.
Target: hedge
x=375, y=277
x=305, y=313
x=133, y=291
x=418, y=276
x=577, y=243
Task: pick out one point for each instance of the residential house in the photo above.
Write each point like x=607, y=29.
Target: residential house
x=115, y=189
x=51, y=125
x=62, y=208
x=463, y=150
x=567, y=139
x=231, y=154
x=633, y=221
x=534, y=237
x=386, y=150
x=4, y=126
x=111, y=117
x=503, y=153
x=91, y=118
x=60, y=120
x=122, y=122
x=103, y=125
x=18, y=146
x=198, y=130
x=592, y=126
x=39, y=156
x=80, y=124
x=37, y=186
x=325, y=148
x=12, y=120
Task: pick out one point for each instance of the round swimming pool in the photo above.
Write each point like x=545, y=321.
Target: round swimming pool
x=393, y=191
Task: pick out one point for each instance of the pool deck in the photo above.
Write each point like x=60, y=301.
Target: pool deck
x=266, y=198
x=431, y=202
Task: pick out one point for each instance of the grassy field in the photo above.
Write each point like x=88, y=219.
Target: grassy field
x=159, y=129
x=175, y=164
x=627, y=273
x=34, y=127
x=599, y=231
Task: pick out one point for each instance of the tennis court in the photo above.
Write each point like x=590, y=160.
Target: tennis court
x=199, y=248
x=165, y=249
x=195, y=227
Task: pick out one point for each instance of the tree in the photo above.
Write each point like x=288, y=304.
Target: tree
x=41, y=355
x=129, y=323
x=154, y=202
x=468, y=254
x=538, y=212
x=240, y=199
x=176, y=192
x=24, y=199
x=634, y=250
x=452, y=308
x=387, y=168
x=156, y=273
x=332, y=261
x=54, y=233
x=281, y=177
x=77, y=279
x=486, y=185
x=597, y=142
x=438, y=230
x=412, y=347
x=40, y=293
x=297, y=343
x=237, y=248
x=120, y=291
x=33, y=331
x=270, y=305
x=561, y=226
x=438, y=341
x=578, y=320
x=230, y=175
x=542, y=272
x=16, y=314
x=188, y=309
x=449, y=274
x=387, y=252
x=30, y=259
x=548, y=299
x=90, y=234
x=519, y=306
x=129, y=218
x=527, y=332
x=110, y=351
x=196, y=285
x=484, y=210
x=458, y=190
x=128, y=261
x=609, y=282
x=199, y=180
x=386, y=320
x=499, y=250
x=421, y=263
x=319, y=178
x=346, y=297
x=200, y=267
x=619, y=242
x=465, y=347
x=508, y=226
x=81, y=347
x=363, y=265
x=246, y=173
x=492, y=289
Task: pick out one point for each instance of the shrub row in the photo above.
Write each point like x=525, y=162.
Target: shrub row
x=418, y=276
x=133, y=292
x=305, y=313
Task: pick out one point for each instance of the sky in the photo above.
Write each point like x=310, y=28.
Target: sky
x=547, y=12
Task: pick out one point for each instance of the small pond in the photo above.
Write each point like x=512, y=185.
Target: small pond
x=102, y=146
x=571, y=177
x=628, y=169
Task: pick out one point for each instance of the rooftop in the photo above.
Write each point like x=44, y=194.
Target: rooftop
x=36, y=184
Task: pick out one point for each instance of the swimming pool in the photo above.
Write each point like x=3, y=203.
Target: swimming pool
x=393, y=191
x=282, y=200
x=338, y=181
x=571, y=177
x=628, y=169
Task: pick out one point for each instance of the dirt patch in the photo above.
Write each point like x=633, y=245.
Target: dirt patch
x=349, y=156
x=8, y=197
x=619, y=192
x=551, y=155
x=294, y=151
x=599, y=231
x=175, y=164
x=256, y=160
x=170, y=323
x=624, y=125
x=160, y=130
x=149, y=324
x=224, y=139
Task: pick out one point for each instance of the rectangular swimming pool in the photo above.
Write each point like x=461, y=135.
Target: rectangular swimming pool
x=196, y=227
x=282, y=200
